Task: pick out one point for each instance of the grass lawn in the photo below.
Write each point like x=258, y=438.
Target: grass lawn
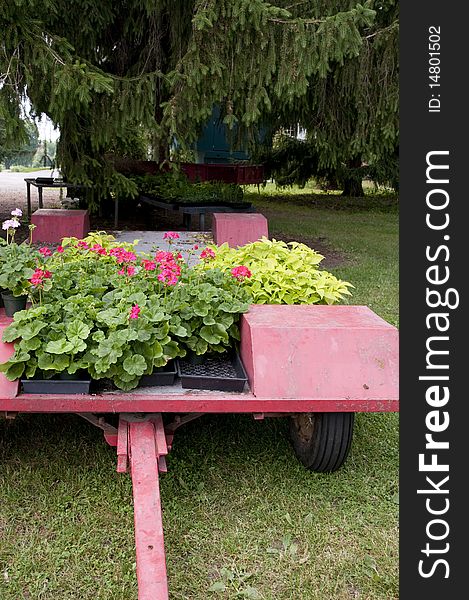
x=241, y=515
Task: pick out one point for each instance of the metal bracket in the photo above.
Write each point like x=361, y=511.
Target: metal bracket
x=110, y=432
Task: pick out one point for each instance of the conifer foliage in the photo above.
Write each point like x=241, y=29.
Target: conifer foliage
x=117, y=76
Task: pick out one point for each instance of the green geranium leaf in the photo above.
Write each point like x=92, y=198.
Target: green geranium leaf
x=161, y=331
x=201, y=309
x=214, y=334
x=109, y=350
x=31, y=369
x=179, y=331
x=61, y=346
x=126, y=385
x=30, y=330
x=53, y=362
x=209, y=320
x=137, y=298
x=135, y=365
x=32, y=344
x=156, y=350
x=144, y=331
x=112, y=317
x=14, y=371
x=78, y=344
x=155, y=314
x=12, y=332
x=77, y=329
x=75, y=366
x=98, y=336
x=171, y=350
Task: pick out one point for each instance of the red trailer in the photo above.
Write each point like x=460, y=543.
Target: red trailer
x=317, y=365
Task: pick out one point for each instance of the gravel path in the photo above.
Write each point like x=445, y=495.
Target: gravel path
x=13, y=193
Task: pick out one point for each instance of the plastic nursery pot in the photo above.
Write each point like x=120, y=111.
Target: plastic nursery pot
x=160, y=376
x=56, y=386
x=13, y=303
x=65, y=376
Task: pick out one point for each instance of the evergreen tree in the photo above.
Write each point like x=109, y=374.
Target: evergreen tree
x=106, y=71
x=350, y=114
x=19, y=151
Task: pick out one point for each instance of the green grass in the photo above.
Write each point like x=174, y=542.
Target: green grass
x=23, y=169
x=240, y=513
x=364, y=231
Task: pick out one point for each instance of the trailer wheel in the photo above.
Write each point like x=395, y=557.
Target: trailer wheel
x=322, y=440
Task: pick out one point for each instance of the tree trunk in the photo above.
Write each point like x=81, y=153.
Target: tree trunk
x=352, y=185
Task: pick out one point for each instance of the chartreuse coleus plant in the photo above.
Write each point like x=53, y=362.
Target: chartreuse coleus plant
x=117, y=320
x=281, y=273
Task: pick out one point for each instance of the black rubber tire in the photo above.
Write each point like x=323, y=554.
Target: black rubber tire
x=322, y=440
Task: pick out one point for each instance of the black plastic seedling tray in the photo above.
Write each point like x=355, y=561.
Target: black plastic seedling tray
x=160, y=376
x=224, y=373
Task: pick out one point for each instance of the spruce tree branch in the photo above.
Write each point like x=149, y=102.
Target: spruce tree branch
x=296, y=21
x=6, y=75
x=388, y=28
x=296, y=4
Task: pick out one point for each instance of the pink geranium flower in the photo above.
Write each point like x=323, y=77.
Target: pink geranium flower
x=45, y=251
x=60, y=249
x=38, y=277
x=129, y=270
x=148, y=265
x=82, y=244
x=240, y=273
x=98, y=249
x=134, y=312
x=207, y=254
x=162, y=256
x=171, y=235
x=122, y=255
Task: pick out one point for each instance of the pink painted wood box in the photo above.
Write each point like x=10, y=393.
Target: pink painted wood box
x=8, y=389
x=321, y=352
x=238, y=229
x=53, y=224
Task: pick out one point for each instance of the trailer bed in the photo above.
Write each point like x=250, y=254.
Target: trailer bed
x=175, y=399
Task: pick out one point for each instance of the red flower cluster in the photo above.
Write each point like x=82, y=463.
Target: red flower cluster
x=207, y=254
x=148, y=265
x=38, y=277
x=122, y=255
x=98, y=249
x=170, y=269
x=171, y=235
x=45, y=251
x=134, y=312
x=129, y=270
x=240, y=273
x=60, y=249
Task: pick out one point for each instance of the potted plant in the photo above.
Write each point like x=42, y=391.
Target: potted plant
x=17, y=264
x=103, y=310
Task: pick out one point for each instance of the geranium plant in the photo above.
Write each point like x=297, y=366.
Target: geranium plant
x=117, y=315
x=17, y=261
